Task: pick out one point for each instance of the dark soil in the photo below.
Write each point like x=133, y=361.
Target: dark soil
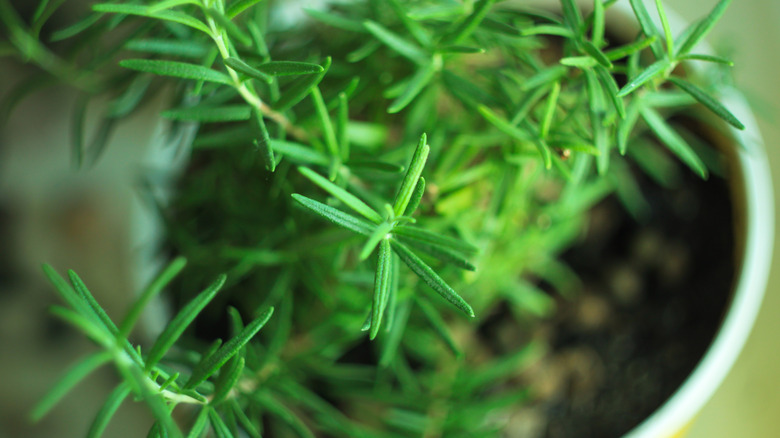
x=652, y=299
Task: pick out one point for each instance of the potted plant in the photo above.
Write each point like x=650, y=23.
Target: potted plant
x=379, y=200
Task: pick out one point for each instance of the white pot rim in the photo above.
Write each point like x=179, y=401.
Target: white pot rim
x=753, y=165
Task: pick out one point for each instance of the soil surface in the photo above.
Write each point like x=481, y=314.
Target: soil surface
x=652, y=299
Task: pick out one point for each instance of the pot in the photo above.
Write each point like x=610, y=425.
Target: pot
x=754, y=208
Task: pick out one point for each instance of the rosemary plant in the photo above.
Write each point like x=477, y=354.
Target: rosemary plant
x=385, y=174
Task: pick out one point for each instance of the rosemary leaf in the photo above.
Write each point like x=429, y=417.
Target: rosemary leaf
x=673, y=141
x=200, y=423
x=262, y=140
x=397, y=43
x=205, y=114
x=239, y=6
x=381, y=232
x=705, y=99
x=415, y=85
x=242, y=67
x=342, y=195
x=299, y=153
x=173, y=16
x=649, y=73
x=413, y=173
x=381, y=286
x=429, y=237
x=179, y=323
x=702, y=28
x=108, y=410
x=176, y=69
x=431, y=278
x=227, y=350
x=289, y=68
x=338, y=217
x=71, y=377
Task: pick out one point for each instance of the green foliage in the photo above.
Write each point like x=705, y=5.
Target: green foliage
x=464, y=139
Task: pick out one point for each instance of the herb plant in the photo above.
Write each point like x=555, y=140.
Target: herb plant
x=306, y=194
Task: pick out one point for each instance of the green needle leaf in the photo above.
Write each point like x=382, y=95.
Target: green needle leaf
x=85, y=294
x=431, y=278
x=580, y=62
x=177, y=69
x=220, y=428
x=168, y=4
x=572, y=16
x=342, y=195
x=341, y=126
x=336, y=21
x=708, y=58
x=399, y=44
x=431, y=238
x=705, y=99
x=503, y=125
x=227, y=350
x=229, y=113
x=419, y=191
x=516, y=133
x=673, y=141
x=381, y=232
x=108, y=410
x=628, y=49
x=546, y=29
x=262, y=140
x=154, y=288
x=381, y=286
x=596, y=54
x=72, y=377
x=289, y=68
x=227, y=379
x=180, y=322
x=75, y=301
x=201, y=421
x=242, y=67
x=467, y=27
x=549, y=110
x=443, y=254
x=75, y=28
x=299, y=153
x=242, y=418
x=667, y=29
x=89, y=327
x=608, y=81
x=374, y=166
x=415, y=85
x=300, y=88
x=438, y=324
x=647, y=25
x=597, y=34
x=239, y=6
x=173, y=16
x=231, y=28
x=413, y=173
x=626, y=126
x=703, y=28
x=649, y=73
x=336, y=216
x=325, y=122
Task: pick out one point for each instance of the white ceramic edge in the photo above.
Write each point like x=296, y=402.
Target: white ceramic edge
x=681, y=409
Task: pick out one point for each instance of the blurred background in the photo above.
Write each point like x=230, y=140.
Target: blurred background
x=47, y=210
